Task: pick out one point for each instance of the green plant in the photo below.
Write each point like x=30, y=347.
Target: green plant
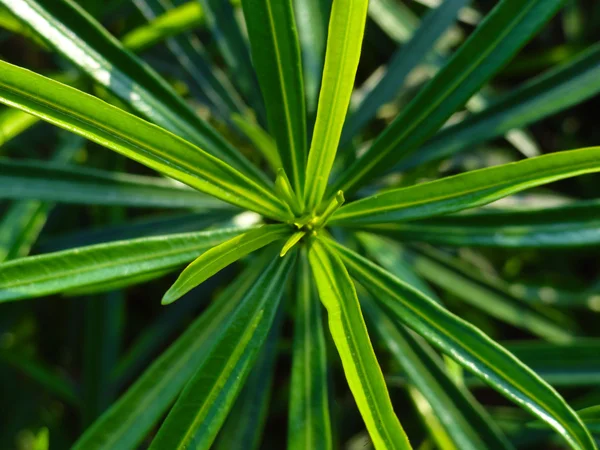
x=321, y=221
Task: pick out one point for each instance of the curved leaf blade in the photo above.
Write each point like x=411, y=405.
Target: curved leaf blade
x=276, y=56
x=133, y=137
x=61, y=271
x=351, y=338
x=495, y=41
x=67, y=28
x=205, y=401
x=469, y=347
x=464, y=420
x=309, y=423
x=219, y=257
x=132, y=417
x=346, y=30
x=467, y=190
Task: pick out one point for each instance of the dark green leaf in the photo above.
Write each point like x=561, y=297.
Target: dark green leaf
x=495, y=41
x=309, y=422
x=470, y=347
x=207, y=398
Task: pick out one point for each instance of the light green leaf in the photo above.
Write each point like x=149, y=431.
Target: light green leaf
x=467, y=190
x=132, y=417
x=67, y=28
x=58, y=272
x=558, y=89
x=466, y=423
x=23, y=179
x=496, y=40
x=135, y=138
x=219, y=257
x=276, y=56
x=350, y=336
x=309, y=420
x=243, y=429
x=172, y=22
x=14, y=122
x=396, y=19
x=575, y=224
x=401, y=63
x=470, y=347
x=189, y=52
x=204, y=403
x=312, y=20
x=346, y=30
x=590, y=417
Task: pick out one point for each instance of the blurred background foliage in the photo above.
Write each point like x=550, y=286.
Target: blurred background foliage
x=64, y=359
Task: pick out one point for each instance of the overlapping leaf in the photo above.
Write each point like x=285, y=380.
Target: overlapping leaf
x=467, y=190
x=470, y=347
x=135, y=138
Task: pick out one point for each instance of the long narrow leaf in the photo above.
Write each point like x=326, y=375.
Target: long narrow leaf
x=312, y=19
x=133, y=137
x=551, y=92
x=404, y=60
x=467, y=190
x=221, y=256
x=309, y=422
x=205, y=401
x=575, y=224
x=349, y=333
x=67, y=28
x=67, y=184
x=497, y=39
x=470, y=347
x=276, y=55
x=130, y=419
x=464, y=420
x=346, y=30
x=61, y=271
x=244, y=427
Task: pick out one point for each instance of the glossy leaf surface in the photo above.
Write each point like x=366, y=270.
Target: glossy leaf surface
x=467, y=190
x=204, y=403
x=470, y=347
x=133, y=137
x=221, y=256
x=496, y=40
x=61, y=271
x=346, y=29
x=67, y=28
x=130, y=419
x=349, y=332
